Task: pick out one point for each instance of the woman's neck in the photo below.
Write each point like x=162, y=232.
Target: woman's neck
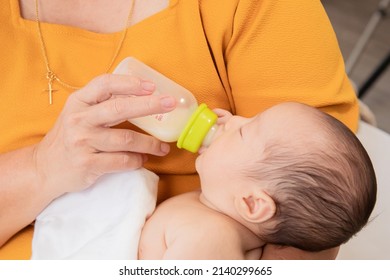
x=101, y=16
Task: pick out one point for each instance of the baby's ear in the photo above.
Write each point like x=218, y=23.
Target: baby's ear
x=255, y=207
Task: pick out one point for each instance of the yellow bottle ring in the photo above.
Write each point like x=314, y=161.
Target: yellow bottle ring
x=197, y=128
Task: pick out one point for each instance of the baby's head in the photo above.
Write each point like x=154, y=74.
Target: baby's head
x=293, y=174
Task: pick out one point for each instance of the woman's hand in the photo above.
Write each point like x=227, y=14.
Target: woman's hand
x=223, y=115
x=276, y=252
x=82, y=146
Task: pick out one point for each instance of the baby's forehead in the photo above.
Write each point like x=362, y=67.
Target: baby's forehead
x=291, y=109
x=291, y=116
x=293, y=123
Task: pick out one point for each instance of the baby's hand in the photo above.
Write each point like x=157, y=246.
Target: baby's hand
x=223, y=115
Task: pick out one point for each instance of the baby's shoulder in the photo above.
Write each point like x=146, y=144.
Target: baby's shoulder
x=189, y=208
x=195, y=231
x=189, y=216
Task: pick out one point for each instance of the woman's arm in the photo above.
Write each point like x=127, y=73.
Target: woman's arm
x=79, y=148
x=21, y=196
x=276, y=252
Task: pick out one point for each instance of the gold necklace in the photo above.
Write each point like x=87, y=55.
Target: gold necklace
x=51, y=76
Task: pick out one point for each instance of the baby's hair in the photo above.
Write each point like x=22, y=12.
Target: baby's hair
x=324, y=194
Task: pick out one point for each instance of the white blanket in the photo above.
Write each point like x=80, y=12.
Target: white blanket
x=101, y=222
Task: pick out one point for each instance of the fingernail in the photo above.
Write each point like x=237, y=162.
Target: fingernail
x=165, y=148
x=168, y=102
x=148, y=86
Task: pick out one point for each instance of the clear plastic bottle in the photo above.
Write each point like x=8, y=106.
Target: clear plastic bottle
x=192, y=126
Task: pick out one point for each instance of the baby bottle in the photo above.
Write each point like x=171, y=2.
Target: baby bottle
x=192, y=126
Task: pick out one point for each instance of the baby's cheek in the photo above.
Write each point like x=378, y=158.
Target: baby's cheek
x=197, y=164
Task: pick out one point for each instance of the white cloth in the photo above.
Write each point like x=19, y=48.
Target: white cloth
x=101, y=222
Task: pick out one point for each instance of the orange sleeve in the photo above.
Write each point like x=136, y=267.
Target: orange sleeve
x=287, y=51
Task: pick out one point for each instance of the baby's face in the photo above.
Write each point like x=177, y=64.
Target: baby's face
x=239, y=145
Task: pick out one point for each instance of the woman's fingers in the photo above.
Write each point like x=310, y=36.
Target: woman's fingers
x=111, y=99
x=117, y=140
x=82, y=142
x=116, y=110
x=105, y=86
x=113, y=162
x=223, y=115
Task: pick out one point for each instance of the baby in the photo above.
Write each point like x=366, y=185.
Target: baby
x=291, y=175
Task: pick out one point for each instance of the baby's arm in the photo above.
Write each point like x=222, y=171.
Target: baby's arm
x=152, y=241
x=187, y=234
x=163, y=238
x=183, y=228
x=205, y=241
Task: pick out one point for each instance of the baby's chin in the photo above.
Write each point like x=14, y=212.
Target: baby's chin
x=198, y=164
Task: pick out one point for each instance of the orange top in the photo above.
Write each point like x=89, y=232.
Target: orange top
x=244, y=56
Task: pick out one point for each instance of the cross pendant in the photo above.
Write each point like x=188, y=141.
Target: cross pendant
x=50, y=76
